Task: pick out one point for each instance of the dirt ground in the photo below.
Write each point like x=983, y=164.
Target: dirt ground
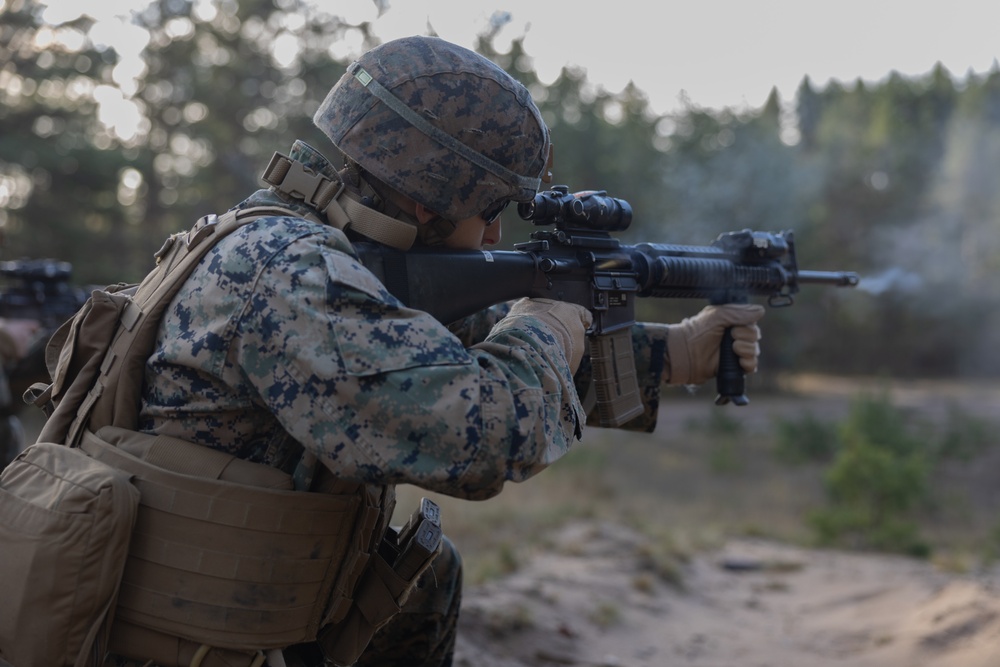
x=595, y=593
x=596, y=599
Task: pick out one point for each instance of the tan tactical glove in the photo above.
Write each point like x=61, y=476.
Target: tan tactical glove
x=693, y=345
x=568, y=321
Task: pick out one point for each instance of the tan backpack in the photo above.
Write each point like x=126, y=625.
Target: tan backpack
x=65, y=521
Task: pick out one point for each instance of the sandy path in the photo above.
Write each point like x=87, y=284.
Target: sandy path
x=595, y=599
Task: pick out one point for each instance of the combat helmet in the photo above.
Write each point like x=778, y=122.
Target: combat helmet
x=440, y=124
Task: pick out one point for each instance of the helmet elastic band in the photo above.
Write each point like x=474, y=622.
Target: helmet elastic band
x=528, y=185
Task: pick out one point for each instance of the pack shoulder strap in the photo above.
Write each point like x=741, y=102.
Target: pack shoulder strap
x=113, y=398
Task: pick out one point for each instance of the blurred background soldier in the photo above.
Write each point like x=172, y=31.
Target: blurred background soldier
x=37, y=297
x=17, y=340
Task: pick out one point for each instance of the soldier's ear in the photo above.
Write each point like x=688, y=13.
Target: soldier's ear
x=424, y=214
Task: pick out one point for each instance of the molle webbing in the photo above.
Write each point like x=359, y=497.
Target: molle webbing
x=226, y=565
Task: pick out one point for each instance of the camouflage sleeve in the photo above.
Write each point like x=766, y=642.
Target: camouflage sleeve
x=475, y=328
x=384, y=394
x=649, y=344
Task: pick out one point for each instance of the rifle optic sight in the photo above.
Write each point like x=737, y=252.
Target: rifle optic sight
x=590, y=210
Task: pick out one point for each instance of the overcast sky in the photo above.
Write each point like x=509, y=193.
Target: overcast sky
x=716, y=52
x=724, y=52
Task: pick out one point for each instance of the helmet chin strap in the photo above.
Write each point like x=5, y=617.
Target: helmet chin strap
x=342, y=208
x=430, y=232
x=434, y=232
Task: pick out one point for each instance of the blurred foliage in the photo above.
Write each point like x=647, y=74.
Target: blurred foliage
x=805, y=439
x=881, y=468
x=964, y=437
x=876, y=482
x=956, y=436
x=895, y=179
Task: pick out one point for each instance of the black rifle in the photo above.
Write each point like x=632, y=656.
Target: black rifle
x=37, y=289
x=580, y=262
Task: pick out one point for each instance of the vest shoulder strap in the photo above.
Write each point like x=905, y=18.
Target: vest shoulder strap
x=98, y=357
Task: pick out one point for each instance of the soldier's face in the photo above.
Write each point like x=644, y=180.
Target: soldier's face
x=470, y=234
x=473, y=234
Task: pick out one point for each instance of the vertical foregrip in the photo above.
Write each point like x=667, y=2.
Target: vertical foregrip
x=730, y=380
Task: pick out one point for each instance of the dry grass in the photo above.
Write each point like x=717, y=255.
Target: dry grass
x=709, y=472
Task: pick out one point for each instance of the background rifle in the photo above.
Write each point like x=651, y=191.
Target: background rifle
x=579, y=261
x=37, y=289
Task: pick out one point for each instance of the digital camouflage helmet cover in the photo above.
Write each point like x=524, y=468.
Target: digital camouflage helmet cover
x=440, y=124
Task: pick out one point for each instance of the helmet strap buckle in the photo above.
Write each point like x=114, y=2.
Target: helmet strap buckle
x=291, y=178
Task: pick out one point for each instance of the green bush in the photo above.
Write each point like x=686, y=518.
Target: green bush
x=965, y=436
x=879, y=477
x=806, y=440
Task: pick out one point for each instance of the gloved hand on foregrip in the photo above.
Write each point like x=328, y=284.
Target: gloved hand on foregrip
x=568, y=321
x=693, y=345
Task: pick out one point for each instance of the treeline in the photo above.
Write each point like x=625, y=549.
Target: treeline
x=896, y=179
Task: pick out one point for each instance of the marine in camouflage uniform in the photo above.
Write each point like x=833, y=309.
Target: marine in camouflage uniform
x=281, y=339
x=11, y=431
x=17, y=336
x=282, y=342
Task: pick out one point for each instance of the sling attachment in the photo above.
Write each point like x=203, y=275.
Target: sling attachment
x=341, y=207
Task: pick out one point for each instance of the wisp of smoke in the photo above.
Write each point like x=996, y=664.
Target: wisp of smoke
x=893, y=278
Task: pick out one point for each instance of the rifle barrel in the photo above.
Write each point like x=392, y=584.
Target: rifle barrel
x=835, y=278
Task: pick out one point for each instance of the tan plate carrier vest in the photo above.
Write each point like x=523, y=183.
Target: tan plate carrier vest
x=226, y=560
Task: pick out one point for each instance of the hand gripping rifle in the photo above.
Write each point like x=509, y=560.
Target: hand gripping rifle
x=579, y=261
